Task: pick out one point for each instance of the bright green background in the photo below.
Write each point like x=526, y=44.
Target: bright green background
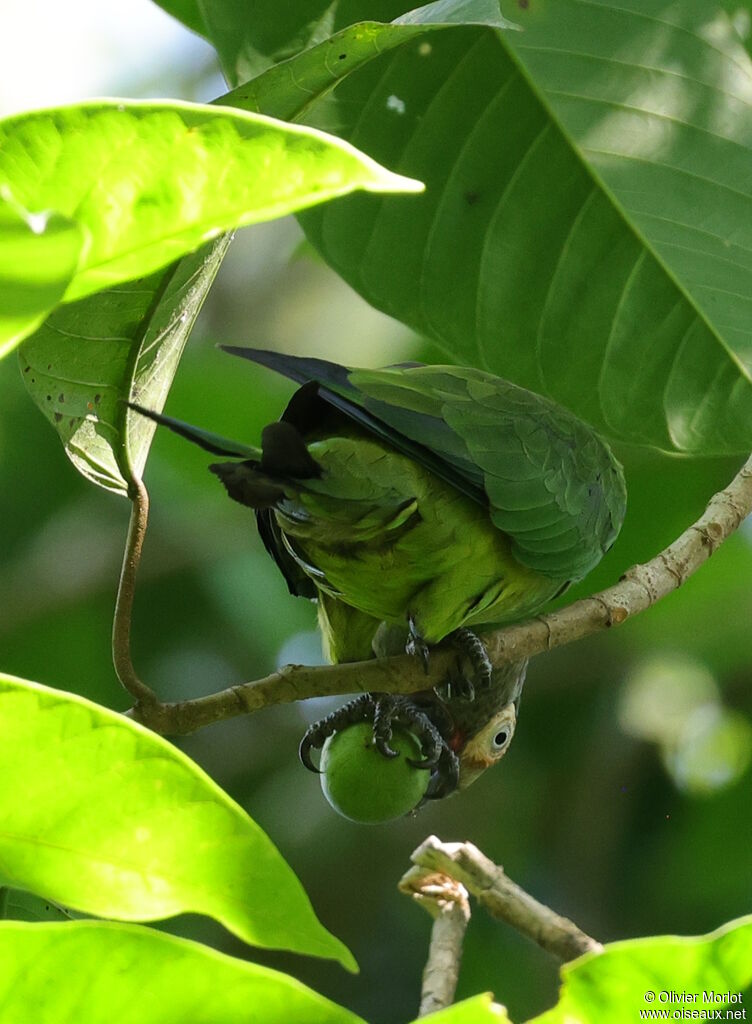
x=583, y=812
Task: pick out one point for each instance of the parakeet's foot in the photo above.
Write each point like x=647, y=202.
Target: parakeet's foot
x=416, y=645
x=471, y=645
x=390, y=711
x=446, y=777
x=456, y=685
x=386, y=711
x=316, y=735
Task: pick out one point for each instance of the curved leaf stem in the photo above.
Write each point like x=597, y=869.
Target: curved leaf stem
x=640, y=587
x=145, y=698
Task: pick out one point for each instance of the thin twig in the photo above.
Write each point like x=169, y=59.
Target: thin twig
x=145, y=698
x=446, y=901
x=637, y=590
x=503, y=898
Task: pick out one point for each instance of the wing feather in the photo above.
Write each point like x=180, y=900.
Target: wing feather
x=549, y=482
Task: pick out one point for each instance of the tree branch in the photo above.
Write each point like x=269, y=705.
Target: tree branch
x=145, y=698
x=637, y=590
x=446, y=901
x=503, y=898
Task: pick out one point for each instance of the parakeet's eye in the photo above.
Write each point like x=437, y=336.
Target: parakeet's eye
x=488, y=745
x=501, y=739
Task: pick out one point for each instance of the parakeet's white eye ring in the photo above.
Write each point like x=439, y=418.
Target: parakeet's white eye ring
x=501, y=738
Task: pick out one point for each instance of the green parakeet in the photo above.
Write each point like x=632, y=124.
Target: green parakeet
x=427, y=499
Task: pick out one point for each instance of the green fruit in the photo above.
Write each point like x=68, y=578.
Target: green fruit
x=363, y=785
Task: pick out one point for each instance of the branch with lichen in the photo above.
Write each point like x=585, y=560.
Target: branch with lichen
x=502, y=898
x=639, y=588
x=446, y=901
x=442, y=876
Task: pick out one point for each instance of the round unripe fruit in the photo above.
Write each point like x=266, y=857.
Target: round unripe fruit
x=363, y=785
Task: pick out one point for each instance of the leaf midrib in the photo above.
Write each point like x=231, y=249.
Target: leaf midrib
x=613, y=201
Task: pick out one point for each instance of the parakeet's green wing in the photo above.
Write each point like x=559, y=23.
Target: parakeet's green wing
x=551, y=484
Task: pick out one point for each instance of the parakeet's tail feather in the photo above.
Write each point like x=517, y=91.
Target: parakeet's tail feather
x=213, y=443
x=298, y=368
x=336, y=389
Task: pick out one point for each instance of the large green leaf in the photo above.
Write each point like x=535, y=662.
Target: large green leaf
x=93, y=972
x=629, y=977
x=147, y=182
x=105, y=817
x=122, y=344
x=125, y=343
x=583, y=229
x=38, y=258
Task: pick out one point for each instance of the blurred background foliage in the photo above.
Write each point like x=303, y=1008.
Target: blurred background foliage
x=625, y=801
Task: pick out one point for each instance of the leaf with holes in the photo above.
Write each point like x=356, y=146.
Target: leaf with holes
x=108, y=818
x=94, y=972
x=584, y=226
x=146, y=182
x=19, y=905
x=123, y=343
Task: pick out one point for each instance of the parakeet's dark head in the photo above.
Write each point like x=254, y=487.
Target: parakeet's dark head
x=480, y=731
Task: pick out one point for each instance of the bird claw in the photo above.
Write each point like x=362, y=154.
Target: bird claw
x=458, y=685
x=416, y=646
x=304, y=754
x=387, y=711
x=446, y=778
x=316, y=735
x=427, y=762
x=472, y=647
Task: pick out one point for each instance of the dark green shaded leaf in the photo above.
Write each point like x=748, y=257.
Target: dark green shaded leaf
x=19, y=905
x=252, y=35
x=188, y=12
x=564, y=162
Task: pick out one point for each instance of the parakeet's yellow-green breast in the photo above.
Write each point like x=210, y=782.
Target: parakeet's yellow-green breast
x=441, y=494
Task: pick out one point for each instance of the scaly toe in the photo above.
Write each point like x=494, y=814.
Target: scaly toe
x=384, y=711
x=316, y=735
x=416, y=646
x=471, y=645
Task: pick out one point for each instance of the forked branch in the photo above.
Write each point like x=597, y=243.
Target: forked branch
x=503, y=898
x=443, y=870
x=446, y=901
